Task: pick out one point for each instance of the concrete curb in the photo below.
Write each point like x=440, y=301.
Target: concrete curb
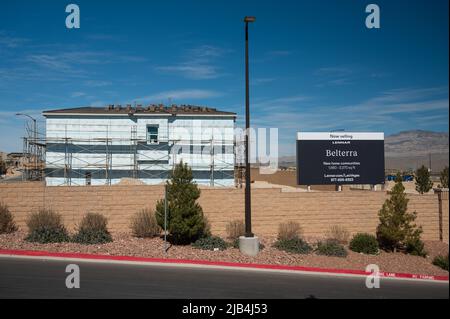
x=212, y=264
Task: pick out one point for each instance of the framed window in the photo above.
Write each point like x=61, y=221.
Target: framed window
x=152, y=134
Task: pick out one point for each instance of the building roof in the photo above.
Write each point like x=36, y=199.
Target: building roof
x=140, y=110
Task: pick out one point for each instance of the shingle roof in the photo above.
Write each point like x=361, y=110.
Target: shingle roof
x=139, y=109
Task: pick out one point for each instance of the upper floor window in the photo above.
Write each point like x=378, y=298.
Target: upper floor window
x=152, y=134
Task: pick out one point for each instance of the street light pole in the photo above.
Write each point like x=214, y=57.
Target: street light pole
x=34, y=123
x=248, y=206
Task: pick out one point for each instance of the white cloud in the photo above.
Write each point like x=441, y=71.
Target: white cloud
x=51, y=62
x=97, y=83
x=336, y=76
x=393, y=110
x=77, y=94
x=11, y=42
x=207, y=51
x=199, y=63
x=192, y=70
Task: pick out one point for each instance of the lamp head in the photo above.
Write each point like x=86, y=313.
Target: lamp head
x=249, y=19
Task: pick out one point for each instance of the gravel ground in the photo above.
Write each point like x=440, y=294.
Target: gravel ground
x=126, y=245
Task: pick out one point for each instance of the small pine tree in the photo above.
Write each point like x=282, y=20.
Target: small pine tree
x=396, y=229
x=423, y=181
x=444, y=177
x=185, y=220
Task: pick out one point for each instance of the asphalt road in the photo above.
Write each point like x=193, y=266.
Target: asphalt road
x=33, y=278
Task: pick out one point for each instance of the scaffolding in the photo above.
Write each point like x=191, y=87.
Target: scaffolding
x=239, y=167
x=33, y=155
x=51, y=156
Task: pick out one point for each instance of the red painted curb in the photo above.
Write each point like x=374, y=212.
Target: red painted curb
x=37, y=253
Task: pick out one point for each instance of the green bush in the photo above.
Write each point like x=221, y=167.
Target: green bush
x=45, y=226
x=144, y=224
x=423, y=180
x=93, y=230
x=289, y=230
x=416, y=247
x=396, y=228
x=210, y=243
x=331, y=248
x=293, y=245
x=261, y=246
x=7, y=224
x=185, y=220
x=235, y=229
x=441, y=262
x=235, y=243
x=364, y=243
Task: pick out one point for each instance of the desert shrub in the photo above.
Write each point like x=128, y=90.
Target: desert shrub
x=331, y=248
x=441, y=262
x=364, y=243
x=210, y=243
x=289, y=230
x=235, y=229
x=93, y=230
x=185, y=220
x=416, y=247
x=144, y=224
x=294, y=245
x=7, y=224
x=45, y=226
x=338, y=233
x=396, y=228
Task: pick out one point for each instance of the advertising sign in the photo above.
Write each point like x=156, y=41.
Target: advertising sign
x=338, y=158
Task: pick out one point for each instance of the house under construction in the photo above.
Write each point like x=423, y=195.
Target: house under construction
x=101, y=146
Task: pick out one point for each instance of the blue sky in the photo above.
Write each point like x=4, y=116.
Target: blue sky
x=314, y=64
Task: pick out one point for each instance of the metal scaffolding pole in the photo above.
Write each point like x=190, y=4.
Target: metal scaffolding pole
x=77, y=159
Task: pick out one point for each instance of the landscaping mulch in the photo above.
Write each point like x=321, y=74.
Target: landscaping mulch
x=126, y=245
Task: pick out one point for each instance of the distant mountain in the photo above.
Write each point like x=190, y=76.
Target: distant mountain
x=408, y=150
x=416, y=143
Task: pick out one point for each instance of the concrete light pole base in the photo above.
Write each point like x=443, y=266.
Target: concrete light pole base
x=249, y=245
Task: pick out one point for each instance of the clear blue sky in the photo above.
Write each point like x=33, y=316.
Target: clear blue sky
x=314, y=64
